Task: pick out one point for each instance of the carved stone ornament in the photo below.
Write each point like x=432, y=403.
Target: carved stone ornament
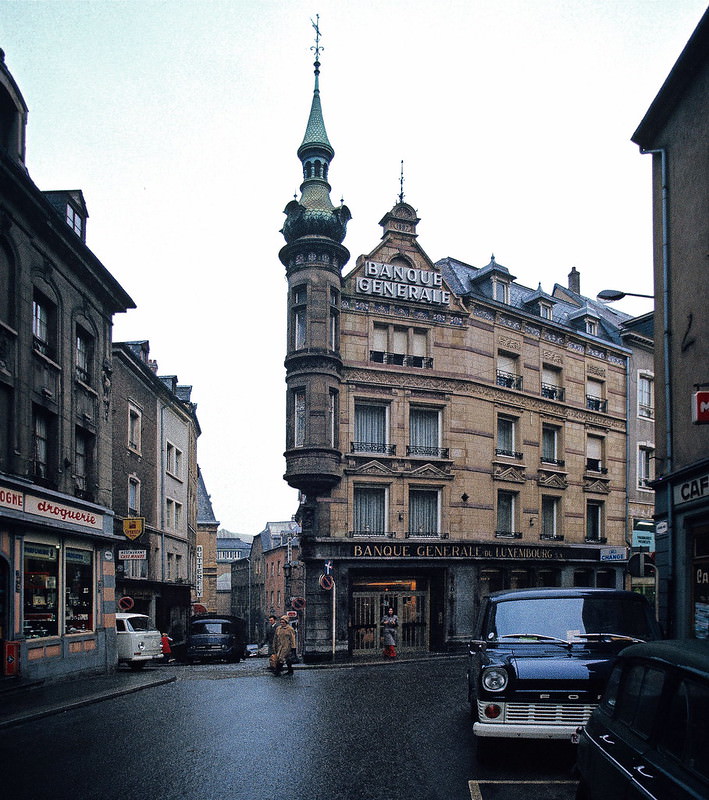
x=596, y=485
x=512, y=474
x=428, y=471
x=552, y=481
x=373, y=468
x=509, y=344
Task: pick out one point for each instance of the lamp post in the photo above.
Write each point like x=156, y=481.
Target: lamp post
x=609, y=295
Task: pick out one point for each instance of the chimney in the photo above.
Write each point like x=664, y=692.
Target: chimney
x=575, y=280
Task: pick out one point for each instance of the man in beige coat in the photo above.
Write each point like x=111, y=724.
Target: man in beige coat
x=283, y=646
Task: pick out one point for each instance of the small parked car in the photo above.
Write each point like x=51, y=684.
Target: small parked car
x=649, y=737
x=138, y=640
x=216, y=637
x=542, y=657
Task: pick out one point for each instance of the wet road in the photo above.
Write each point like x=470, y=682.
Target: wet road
x=382, y=732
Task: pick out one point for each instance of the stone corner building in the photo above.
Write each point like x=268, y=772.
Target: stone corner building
x=452, y=432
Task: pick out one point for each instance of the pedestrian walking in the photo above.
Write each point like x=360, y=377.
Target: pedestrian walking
x=389, y=623
x=271, y=625
x=166, y=648
x=284, y=646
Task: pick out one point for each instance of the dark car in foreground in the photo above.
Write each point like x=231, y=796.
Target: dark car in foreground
x=542, y=657
x=649, y=737
x=216, y=637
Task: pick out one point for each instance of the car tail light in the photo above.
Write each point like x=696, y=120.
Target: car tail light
x=492, y=711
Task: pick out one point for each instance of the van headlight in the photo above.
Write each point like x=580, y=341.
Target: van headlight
x=494, y=679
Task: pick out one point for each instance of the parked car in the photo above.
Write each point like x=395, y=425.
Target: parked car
x=215, y=637
x=542, y=657
x=649, y=737
x=138, y=641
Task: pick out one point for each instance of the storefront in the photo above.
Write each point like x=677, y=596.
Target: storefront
x=57, y=584
x=434, y=588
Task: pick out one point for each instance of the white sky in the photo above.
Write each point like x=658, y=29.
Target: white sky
x=180, y=122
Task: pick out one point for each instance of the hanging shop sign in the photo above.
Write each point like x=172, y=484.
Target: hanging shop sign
x=403, y=283
x=693, y=489
x=700, y=408
x=133, y=527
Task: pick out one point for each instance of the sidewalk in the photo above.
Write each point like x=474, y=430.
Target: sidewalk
x=23, y=702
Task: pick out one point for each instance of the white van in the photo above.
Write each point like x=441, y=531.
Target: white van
x=138, y=641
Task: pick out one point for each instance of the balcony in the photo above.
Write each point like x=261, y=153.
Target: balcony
x=553, y=462
x=552, y=392
x=499, y=451
x=551, y=537
x=425, y=535
x=400, y=359
x=596, y=540
x=508, y=534
x=595, y=465
x=648, y=412
x=508, y=380
x=430, y=452
x=370, y=534
x=373, y=447
x=596, y=404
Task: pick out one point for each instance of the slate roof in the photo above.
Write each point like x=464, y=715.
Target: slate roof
x=205, y=513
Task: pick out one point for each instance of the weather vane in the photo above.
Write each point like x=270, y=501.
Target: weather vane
x=318, y=46
x=401, y=183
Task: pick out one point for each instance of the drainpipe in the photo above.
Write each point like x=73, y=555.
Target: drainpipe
x=666, y=332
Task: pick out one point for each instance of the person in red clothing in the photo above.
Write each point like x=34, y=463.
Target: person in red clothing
x=166, y=648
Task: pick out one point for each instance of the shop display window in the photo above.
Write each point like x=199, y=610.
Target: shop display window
x=78, y=580
x=41, y=566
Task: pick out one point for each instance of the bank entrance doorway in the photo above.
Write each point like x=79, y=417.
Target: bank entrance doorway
x=371, y=600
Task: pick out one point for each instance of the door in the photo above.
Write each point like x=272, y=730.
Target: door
x=368, y=609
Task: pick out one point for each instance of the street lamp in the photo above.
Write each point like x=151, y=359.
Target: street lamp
x=609, y=295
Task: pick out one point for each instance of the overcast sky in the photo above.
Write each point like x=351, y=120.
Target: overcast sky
x=180, y=122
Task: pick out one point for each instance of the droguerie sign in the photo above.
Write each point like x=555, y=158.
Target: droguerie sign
x=403, y=283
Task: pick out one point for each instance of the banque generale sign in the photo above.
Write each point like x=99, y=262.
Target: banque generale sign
x=397, y=550
x=403, y=283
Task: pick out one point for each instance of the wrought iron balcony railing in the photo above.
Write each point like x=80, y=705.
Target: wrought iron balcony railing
x=508, y=534
x=552, y=392
x=500, y=451
x=551, y=537
x=370, y=534
x=596, y=404
x=373, y=447
x=509, y=380
x=556, y=462
x=400, y=359
x=594, y=465
x=433, y=452
x=425, y=535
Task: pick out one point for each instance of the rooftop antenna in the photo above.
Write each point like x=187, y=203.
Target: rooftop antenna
x=401, y=183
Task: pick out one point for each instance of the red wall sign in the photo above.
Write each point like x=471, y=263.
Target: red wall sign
x=700, y=408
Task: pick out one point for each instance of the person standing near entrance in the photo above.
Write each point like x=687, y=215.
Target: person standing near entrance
x=283, y=646
x=271, y=625
x=389, y=623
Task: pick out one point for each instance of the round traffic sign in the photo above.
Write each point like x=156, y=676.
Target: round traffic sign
x=298, y=603
x=125, y=603
x=327, y=582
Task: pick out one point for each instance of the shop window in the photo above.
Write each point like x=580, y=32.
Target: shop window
x=548, y=577
x=583, y=577
x=491, y=580
x=79, y=579
x=520, y=578
x=41, y=574
x=605, y=579
x=84, y=356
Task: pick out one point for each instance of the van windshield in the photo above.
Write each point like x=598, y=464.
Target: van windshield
x=221, y=628
x=570, y=618
x=141, y=624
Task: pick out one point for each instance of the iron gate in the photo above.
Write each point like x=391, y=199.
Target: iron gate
x=368, y=608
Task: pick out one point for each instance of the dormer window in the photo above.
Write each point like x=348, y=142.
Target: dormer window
x=545, y=310
x=74, y=220
x=592, y=327
x=500, y=290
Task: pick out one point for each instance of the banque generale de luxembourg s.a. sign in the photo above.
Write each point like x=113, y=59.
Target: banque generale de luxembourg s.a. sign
x=403, y=283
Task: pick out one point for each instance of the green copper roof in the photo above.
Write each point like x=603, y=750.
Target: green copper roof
x=315, y=133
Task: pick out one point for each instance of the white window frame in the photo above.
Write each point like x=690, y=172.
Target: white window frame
x=645, y=458
x=134, y=481
x=646, y=396
x=135, y=428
